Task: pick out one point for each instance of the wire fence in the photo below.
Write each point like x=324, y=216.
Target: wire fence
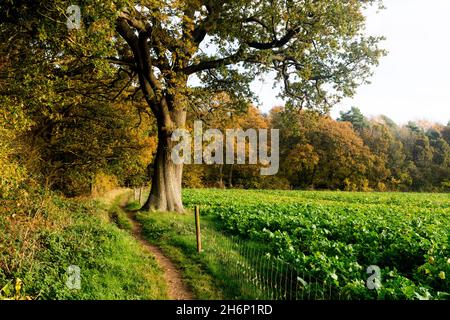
x=255, y=274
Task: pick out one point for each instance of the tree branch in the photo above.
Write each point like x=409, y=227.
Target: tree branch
x=290, y=34
x=212, y=64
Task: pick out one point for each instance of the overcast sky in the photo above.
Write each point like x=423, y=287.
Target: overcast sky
x=413, y=81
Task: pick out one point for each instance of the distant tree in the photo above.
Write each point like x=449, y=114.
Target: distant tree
x=446, y=133
x=383, y=140
x=440, y=168
x=297, y=156
x=414, y=127
x=388, y=122
x=219, y=116
x=320, y=152
x=419, y=153
x=355, y=117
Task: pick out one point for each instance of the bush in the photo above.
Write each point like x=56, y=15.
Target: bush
x=103, y=183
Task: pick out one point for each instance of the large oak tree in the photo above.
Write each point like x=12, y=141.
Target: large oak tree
x=315, y=49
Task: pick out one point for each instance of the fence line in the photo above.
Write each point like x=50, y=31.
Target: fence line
x=257, y=275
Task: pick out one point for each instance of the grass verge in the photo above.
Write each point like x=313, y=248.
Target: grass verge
x=39, y=248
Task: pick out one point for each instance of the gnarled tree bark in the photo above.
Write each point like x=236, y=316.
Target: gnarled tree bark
x=165, y=193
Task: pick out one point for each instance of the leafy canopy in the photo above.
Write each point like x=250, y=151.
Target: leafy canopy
x=317, y=50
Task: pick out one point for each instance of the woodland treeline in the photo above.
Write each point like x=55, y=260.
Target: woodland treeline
x=352, y=153
x=95, y=147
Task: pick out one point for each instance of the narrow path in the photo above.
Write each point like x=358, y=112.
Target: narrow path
x=177, y=290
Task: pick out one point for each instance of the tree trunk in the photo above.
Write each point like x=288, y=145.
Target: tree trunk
x=230, y=177
x=165, y=194
x=221, y=184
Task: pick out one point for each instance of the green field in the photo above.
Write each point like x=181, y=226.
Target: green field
x=335, y=236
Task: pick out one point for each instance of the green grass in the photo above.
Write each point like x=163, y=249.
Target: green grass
x=76, y=232
x=119, y=217
x=133, y=206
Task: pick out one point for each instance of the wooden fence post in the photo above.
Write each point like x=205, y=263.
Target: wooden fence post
x=197, y=229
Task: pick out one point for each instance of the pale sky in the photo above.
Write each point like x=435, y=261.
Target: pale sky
x=413, y=81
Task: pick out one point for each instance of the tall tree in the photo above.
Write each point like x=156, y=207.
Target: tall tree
x=380, y=136
x=356, y=118
x=309, y=45
x=446, y=133
x=319, y=152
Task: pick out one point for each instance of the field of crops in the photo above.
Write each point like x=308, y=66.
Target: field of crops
x=336, y=236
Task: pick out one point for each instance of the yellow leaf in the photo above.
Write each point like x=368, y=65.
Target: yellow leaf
x=18, y=286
